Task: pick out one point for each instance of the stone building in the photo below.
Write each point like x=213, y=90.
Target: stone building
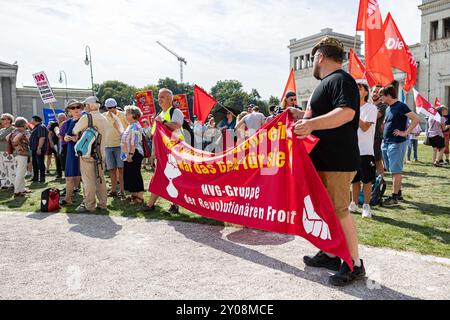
x=432, y=55
x=26, y=101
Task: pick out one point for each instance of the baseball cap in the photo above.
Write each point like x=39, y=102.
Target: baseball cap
x=111, y=103
x=290, y=94
x=91, y=99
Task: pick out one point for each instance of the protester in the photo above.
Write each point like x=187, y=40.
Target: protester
x=228, y=123
x=241, y=132
x=53, y=148
x=366, y=135
x=92, y=174
x=72, y=166
x=174, y=123
x=378, y=102
x=436, y=137
x=289, y=101
x=413, y=142
x=147, y=140
x=446, y=136
x=394, y=139
x=117, y=123
x=62, y=121
x=252, y=121
x=7, y=166
x=333, y=116
x=226, y=128
x=210, y=134
x=19, y=139
x=38, y=146
x=132, y=153
x=250, y=108
x=271, y=114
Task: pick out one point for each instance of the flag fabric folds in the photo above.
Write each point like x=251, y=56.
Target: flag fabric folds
x=358, y=71
x=437, y=103
x=290, y=85
x=398, y=52
x=425, y=107
x=203, y=103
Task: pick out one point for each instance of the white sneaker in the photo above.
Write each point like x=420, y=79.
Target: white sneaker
x=367, y=212
x=353, y=207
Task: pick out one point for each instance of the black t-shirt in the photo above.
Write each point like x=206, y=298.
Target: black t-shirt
x=379, y=129
x=337, y=149
x=396, y=119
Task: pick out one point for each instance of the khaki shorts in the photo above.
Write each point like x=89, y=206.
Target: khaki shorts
x=338, y=188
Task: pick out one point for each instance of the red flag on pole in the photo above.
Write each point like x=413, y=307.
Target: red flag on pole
x=290, y=85
x=377, y=63
x=425, y=107
x=398, y=52
x=358, y=71
x=203, y=103
x=437, y=103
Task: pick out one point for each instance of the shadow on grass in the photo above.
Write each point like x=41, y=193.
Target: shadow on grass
x=429, y=208
x=212, y=237
x=422, y=174
x=432, y=233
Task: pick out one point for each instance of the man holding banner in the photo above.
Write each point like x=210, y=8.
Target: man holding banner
x=333, y=116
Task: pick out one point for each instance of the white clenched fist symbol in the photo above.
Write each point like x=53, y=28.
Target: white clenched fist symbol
x=314, y=224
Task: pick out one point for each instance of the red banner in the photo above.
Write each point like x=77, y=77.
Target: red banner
x=180, y=101
x=146, y=103
x=424, y=106
x=358, y=71
x=268, y=182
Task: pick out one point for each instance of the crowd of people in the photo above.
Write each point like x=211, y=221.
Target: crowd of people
x=363, y=133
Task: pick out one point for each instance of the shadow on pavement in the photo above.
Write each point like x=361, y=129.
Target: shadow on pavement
x=94, y=226
x=212, y=237
x=254, y=237
x=40, y=215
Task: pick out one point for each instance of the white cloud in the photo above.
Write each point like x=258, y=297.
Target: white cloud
x=243, y=40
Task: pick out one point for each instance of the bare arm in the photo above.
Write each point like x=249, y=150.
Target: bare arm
x=365, y=125
x=173, y=126
x=415, y=120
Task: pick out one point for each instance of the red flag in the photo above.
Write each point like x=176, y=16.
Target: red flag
x=203, y=103
x=398, y=52
x=377, y=63
x=358, y=71
x=437, y=103
x=290, y=85
x=425, y=107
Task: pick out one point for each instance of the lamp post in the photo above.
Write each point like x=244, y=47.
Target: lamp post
x=428, y=58
x=65, y=80
x=88, y=62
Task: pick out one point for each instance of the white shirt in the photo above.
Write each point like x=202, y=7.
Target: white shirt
x=368, y=113
x=254, y=121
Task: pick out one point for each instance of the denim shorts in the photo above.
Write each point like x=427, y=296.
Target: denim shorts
x=113, y=160
x=394, y=155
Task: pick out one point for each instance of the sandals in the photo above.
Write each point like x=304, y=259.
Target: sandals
x=136, y=200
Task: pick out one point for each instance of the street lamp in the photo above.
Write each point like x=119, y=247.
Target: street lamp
x=88, y=62
x=61, y=81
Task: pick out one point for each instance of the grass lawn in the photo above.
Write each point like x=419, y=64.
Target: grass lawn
x=421, y=224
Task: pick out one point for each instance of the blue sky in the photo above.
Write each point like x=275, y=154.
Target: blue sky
x=234, y=39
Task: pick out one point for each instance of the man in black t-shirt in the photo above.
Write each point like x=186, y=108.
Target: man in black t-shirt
x=378, y=101
x=333, y=116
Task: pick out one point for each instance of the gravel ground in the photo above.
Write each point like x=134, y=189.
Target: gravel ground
x=99, y=257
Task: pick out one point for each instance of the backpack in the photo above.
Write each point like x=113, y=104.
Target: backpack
x=86, y=145
x=189, y=138
x=50, y=200
x=89, y=145
x=378, y=190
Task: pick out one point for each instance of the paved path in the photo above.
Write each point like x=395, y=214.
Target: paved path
x=98, y=257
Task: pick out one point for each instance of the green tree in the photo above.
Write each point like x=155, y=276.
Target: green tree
x=230, y=93
x=122, y=92
x=274, y=101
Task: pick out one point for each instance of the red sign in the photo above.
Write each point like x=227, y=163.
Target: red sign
x=180, y=101
x=146, y=103
x=268, y=182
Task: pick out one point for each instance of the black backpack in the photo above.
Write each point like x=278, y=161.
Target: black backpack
x=378, y=190
x=189, y=138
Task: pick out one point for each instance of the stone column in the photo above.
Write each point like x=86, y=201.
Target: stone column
x=1, y=96
x=14, y=96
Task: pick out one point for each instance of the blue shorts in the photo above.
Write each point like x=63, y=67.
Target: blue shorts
x=113, y=160
x=394, y=155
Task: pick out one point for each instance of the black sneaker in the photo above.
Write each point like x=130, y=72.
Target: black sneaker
x=345, y=277
x=173, y=209
x=399, y=196
x=390, y=202
x=146, y=209
x=322, y=260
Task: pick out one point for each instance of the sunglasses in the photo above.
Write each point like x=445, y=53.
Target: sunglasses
x=75, y=108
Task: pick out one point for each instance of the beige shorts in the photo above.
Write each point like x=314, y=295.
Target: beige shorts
x=338, y=188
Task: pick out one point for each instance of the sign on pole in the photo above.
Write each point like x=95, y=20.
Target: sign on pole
x=44, y=88
x=180, y=101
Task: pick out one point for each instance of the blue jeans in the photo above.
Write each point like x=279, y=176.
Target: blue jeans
x=412, y=146
x=393, y=155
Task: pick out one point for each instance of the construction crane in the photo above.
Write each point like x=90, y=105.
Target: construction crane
x=180, y=59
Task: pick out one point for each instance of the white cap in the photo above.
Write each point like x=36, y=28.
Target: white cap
x=110, y=103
